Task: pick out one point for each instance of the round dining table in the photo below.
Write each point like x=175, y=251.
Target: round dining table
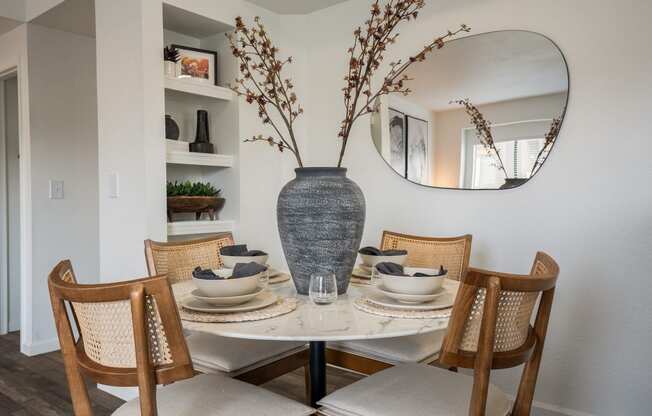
x=319, y=324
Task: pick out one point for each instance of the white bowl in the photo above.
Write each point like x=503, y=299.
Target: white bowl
x=228, y=287
x=231, y=261
x=411, y=285
x=226, y=300
x=370, y=260
x=411, y=299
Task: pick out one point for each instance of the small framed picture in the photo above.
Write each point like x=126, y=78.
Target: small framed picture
x=197, y=65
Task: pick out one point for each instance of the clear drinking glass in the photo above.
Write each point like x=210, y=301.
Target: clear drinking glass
x=323, y=288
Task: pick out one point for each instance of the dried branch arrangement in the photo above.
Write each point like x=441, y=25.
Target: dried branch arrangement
x=551, y=136
x=482, y=130
x=263, y=84
x=367, y=53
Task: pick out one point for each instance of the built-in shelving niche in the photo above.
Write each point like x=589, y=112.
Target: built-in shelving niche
x=182, y=100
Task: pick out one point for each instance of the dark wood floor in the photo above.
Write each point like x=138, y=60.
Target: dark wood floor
x=37, y=385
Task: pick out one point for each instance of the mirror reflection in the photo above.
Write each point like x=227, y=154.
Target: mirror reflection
x=483, y=113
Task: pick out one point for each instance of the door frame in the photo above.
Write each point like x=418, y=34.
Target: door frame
x=9, y=65
x=4, y=223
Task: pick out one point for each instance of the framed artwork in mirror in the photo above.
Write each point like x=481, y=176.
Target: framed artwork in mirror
x=417, y=150
x=484, y=112
x=397, y=141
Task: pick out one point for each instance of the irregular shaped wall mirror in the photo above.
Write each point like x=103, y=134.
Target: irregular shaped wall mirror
x=484, y=112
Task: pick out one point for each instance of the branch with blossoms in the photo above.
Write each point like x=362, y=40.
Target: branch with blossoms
x=482, y=130
x=367, y=53
x=262, y=84
x=550, y=138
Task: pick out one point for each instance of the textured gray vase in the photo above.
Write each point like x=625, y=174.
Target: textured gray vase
x=321, y=217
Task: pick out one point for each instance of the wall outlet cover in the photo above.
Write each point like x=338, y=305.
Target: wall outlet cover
x=56, y=189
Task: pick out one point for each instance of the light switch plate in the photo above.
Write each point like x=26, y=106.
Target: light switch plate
x=56, y=189
x=114, y=185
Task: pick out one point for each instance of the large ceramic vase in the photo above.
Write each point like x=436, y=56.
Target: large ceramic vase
x=321, y=217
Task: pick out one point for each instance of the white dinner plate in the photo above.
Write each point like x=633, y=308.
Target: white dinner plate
x=443, y=301
x=263, y=300
x=226, y=300
x=408, y=298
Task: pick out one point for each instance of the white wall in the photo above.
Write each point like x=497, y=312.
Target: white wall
x=63, y=127
x=589, y=206
x=130, y=131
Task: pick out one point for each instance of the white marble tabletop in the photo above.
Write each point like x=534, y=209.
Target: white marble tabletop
x=339, y=321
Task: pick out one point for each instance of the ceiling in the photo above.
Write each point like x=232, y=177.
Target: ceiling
x=75, y=16
x=7, y=25
x=489, y=68
x=295, y=6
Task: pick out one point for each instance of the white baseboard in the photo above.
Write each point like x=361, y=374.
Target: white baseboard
x=559, y=410
x=124, y=393
x=40, y=347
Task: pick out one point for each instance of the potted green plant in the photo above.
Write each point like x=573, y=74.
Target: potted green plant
x=197, y=198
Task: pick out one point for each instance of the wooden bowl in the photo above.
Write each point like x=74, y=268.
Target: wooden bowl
x=196, y=204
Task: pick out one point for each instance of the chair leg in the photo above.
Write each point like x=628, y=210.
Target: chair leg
x=306, y=383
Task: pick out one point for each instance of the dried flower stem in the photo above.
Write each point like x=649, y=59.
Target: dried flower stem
x=262, y=84
x=551, y=136
x=482, y=130
x=367, y=54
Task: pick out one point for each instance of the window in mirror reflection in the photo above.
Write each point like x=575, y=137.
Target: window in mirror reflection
x=517, y=80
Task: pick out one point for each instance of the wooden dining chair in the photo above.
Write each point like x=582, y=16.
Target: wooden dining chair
x=489, y=329
x=130, y=335
x=253, y=361
x=371, y=356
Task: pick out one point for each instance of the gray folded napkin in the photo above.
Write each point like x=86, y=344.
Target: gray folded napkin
x=207, y=274
x=373, y=251
x=240, y=270
x=247, y=269
x=240, y=250
x=394, y=269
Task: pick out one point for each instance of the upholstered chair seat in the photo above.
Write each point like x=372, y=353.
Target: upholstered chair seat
x=217, y=395
x=411, y=389
x=213, y=354
x=412, y=349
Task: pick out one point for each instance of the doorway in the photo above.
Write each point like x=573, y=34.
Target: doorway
x=10, y=279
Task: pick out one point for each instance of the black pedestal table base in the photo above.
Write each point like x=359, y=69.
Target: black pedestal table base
x=317, y=371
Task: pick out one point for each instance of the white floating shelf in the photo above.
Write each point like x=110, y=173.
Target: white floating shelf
x=187, y=87
x=178, y=154
x=199, y=159
x=199, y=227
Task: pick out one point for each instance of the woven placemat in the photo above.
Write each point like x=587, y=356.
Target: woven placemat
x=281, y=307
x=360, y=281
x=279, y=278
x=365, y=305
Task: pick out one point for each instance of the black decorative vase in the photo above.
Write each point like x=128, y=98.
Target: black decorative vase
x=321, y=216
x=171, y=128
x=202, y=135
x=513, y=183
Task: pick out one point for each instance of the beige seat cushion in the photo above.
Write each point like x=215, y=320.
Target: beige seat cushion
x=211, y=353
x=217, y=395
x=416, y=348
x=411, y=389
